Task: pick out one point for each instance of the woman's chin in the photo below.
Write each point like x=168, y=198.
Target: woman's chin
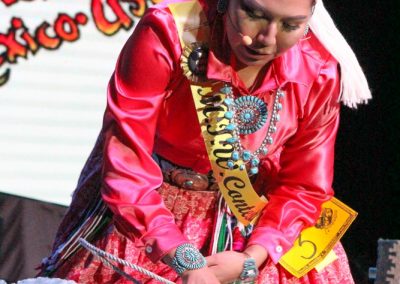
x=253, y=59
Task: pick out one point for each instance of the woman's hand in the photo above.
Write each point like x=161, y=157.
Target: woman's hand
x=227, y=266
x=196, y=276
x=199, y=276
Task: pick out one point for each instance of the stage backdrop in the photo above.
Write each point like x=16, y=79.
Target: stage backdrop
x=56, y=57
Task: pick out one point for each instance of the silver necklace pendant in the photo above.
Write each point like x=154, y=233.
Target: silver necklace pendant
x=246, y=115
x=251, y=114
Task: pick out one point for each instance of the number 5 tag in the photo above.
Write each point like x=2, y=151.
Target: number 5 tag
x=314, y=243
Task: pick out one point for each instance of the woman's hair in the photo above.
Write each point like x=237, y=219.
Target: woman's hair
x=354, y=85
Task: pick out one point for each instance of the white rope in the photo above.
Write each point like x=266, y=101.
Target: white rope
x=105, y=257
x=120, y=271
x=217, y=226
x=229, y=221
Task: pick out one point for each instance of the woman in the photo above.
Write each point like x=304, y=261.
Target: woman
x=282, y=83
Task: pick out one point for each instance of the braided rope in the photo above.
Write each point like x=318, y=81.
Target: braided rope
x=118, y=270
x=105, y=257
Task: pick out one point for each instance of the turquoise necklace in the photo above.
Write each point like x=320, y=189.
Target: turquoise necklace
x=246, y=115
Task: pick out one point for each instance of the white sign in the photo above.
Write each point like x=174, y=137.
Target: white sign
x=56, y=57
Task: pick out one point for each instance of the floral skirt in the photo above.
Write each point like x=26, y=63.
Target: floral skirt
x=194, y=212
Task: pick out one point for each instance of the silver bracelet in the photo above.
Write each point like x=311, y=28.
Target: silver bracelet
x=249, y=273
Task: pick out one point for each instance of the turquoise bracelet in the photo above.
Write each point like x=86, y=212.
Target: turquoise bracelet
x=249, y=273
x=187, y=257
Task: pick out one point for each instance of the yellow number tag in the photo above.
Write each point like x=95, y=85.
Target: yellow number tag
x=314, y=243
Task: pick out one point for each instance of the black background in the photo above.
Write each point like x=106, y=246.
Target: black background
x=367, y=161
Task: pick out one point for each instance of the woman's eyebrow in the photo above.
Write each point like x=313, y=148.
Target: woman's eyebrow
x=295, y=18
x=257, y=7
x=253, y=5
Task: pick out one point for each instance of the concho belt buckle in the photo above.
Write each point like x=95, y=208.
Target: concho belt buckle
x=189, y=180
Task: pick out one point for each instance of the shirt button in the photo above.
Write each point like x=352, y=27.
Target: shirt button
x=278, y=249
x=149, y=249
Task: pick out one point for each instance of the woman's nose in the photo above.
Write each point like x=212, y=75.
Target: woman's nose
x=267, y=36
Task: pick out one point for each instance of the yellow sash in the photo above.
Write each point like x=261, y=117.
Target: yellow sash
x=234, y=184
x=315, y=243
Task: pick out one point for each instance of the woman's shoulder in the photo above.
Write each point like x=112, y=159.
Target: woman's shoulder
x=304, y=62
x=156, y=31
x=158, y=14
x=313, y=71
x=163, y=8
x=313, y=49
x=325, y=82
x=160, y=18
x=314, y=53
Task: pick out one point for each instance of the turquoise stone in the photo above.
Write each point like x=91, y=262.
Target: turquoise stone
x=254, y=162
x=228, y=115
x=235, y=155
x=226, y=90
x=242, y=167
x=230, y=164
x=264, y=151
x=246, y=155
x=231, y=140
x=228, y=101
x=254, y=170
x=230, y=127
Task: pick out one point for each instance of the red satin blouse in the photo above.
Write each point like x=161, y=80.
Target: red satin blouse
x=150, y=109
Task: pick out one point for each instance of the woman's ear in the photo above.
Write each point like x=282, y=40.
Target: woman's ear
x=222, y=6
x=313, y=6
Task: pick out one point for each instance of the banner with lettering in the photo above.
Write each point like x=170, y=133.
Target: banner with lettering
x=56, y=57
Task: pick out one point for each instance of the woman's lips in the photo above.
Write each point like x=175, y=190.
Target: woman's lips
x=257, y=52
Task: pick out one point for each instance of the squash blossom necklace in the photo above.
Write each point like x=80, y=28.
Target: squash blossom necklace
x=246, y=115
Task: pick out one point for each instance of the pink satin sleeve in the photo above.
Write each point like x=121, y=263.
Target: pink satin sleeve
x=305, y=177
x=135, y=98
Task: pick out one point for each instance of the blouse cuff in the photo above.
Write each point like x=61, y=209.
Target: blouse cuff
x=273, y=240
x=162, y=240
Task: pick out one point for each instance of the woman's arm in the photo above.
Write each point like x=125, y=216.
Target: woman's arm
x=135, y=98
x=304, y=181
x=130, y=176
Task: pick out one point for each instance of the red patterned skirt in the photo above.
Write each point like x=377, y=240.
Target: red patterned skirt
x=194, y=213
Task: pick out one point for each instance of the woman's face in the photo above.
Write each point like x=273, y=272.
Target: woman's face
x=273, y=25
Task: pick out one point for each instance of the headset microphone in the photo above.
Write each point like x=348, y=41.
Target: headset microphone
x=246, y=39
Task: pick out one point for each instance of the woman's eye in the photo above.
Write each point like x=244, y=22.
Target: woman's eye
x=252, y=13
x=290, y=27
x=255, y=14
